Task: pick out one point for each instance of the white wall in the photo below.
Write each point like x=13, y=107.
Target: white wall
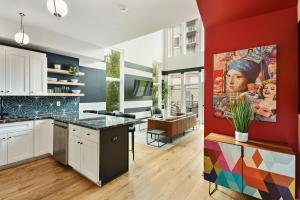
x=144, y=50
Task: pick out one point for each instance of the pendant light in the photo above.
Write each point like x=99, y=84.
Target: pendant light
x=58, y=8
x=21, y=37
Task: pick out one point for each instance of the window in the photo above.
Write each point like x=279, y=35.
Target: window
x=175, y=94
x=113, y=64
x=192, y=89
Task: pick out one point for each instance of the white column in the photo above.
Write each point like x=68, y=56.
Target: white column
x=159, y=80
x=122, y=80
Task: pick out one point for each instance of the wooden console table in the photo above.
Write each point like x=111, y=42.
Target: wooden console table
x=260, y=169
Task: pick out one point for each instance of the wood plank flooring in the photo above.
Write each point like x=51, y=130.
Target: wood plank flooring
x=155, y=174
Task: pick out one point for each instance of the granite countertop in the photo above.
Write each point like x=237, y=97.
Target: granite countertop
x=95, y=122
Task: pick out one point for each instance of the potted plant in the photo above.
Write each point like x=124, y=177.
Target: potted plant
x=57, y=65
x=242, y=117
x=74, y=70
x=164, y=96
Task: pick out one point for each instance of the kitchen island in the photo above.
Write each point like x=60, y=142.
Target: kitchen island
x=97, y=147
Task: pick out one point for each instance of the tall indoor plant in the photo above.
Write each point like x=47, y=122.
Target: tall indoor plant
x=242, y=117
x=74, y=71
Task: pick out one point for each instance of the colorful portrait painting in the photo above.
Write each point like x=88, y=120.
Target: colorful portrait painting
x=250, y=73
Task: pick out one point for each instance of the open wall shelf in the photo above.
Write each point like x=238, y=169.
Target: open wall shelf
x=64, y=83
x=65, y=95
x=63, y=72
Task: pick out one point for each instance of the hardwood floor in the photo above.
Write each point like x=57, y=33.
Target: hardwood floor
x=174, y=174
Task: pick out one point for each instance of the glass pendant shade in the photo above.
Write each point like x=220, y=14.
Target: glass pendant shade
x=58, y=8
x=22, y=38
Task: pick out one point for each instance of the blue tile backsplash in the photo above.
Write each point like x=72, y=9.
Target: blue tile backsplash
x=21, y=106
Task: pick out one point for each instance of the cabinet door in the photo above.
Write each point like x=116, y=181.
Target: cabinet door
x=268, y=174
x=223, y=164
x=3, y=149
x=17, y=72
x=20, y=145
x=42, y=137
x=38, y=74
x=74, y=152
x=2, y=70
x=90, y=160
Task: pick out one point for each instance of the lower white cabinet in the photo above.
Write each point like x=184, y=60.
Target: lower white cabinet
x=89, y=159
x=84, y=151
x=74, y=152
x=43, y=137
x=3, y=149
x=19, y=146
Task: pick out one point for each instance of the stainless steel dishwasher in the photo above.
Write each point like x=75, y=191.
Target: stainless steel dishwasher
x=60, y=142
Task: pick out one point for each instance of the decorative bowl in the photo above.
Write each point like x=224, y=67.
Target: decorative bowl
x=52, y=79
x=63, y=81
x=74, y=80
x=76, y=91
x=57, y=66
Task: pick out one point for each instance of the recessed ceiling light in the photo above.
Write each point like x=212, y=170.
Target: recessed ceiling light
x=124, y=9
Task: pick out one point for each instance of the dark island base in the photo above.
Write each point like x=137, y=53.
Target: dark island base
x=113, y=152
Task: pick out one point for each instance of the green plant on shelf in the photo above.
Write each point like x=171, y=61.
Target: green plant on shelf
x=74, y=70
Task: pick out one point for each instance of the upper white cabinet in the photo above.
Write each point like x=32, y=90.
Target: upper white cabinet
x=17, y=72
x=22, y=72
x=38, y=74
x=2, y=70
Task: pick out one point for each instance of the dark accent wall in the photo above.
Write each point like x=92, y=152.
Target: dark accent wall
x=182, y=70
x=95, y=85
x=129, y=86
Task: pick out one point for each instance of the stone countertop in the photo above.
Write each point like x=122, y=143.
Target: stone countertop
x=96, y=122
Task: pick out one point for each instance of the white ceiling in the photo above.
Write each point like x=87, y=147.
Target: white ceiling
x=99, y=22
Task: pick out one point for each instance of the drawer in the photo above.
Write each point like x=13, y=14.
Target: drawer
x=90, y=134
x=75, y=130
x=16, y=126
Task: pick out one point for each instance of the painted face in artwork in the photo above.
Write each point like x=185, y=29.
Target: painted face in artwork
x=236, y=81
x=269, y=90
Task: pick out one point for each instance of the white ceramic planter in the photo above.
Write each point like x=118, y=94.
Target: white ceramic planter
x=74, y=80
x=57, y=66
x=241, y=137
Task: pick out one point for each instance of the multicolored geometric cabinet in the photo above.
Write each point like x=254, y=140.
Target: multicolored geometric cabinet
x=259, y=169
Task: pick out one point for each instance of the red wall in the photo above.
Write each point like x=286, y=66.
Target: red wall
x=281, y=28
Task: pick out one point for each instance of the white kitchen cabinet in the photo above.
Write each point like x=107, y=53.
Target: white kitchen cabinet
x=22, y=72
x=43, y=137
x=19, y=146
x=2, y=70
x=89, y=159
x=17, y=72
x=38, y=74
x=3, y=149
x=74, y=152
x=84, y=151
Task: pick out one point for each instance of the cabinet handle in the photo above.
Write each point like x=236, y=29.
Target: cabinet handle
x=78, y=142
x=2, y=91
x=9, y=137
x=88, y=134
x=3, y=138
x=115, y=139
x=74, y=130
x=7, y=91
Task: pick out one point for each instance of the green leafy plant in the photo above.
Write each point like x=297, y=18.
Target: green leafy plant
x=165, y=92
x=242, y=114
x=74, y=70
x=113, y=65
